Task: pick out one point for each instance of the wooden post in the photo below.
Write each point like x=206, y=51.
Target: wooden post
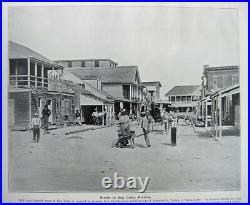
x=220, y=117
x=28, y=61
x=42, y=75
x=16, y=73
x=216, y=117
x=130, y=92
x=103, y=107
x=30, y=106
x=36, y=73
x=206, y=124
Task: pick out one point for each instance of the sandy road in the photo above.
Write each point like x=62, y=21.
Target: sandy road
x=78, y=162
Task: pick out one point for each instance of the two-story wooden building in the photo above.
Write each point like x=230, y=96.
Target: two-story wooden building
x=121, y=82
x=30, y=88
x=183, y=97
x=35, y=81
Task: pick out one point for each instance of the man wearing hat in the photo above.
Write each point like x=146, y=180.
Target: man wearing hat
x=145, y=128
x=36, y=125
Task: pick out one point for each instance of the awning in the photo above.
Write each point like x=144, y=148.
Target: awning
x=85, y=100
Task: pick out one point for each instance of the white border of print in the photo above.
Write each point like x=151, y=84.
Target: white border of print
x=226, y=196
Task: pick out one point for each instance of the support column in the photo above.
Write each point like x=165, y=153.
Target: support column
x=130, y=92
x=42, y=75
x=36, y=73
x=206, y=124
x=16, y=74
x=28, y=71
x=103, y=107
x=220, y=118
x=216, y=117
x=30, y=110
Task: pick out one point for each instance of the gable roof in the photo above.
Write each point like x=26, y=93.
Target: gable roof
x=70, y=77
x=184, y=90
x=119, y=74
x=19, y=51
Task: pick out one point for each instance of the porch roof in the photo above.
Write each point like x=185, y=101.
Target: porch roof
x=18, y=51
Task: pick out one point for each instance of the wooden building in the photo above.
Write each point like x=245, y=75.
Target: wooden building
x=214, y=79
x=121, y=82
x=220, y=112
x=183, y=97
x=31, y=87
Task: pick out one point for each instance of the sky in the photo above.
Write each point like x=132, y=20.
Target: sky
x=168, y=44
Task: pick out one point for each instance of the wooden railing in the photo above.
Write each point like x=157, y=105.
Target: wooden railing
x=27, y=80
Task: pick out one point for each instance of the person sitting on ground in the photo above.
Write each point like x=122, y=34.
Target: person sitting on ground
x=124, y=123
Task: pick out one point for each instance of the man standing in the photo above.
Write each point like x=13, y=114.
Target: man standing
x=166, y=118
x=46, y=113
x=105, y=117
x=78, y=117
x=145, y=126
x=36, y=125
x=95, y=117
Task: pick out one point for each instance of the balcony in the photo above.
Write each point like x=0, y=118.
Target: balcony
x=26, y=81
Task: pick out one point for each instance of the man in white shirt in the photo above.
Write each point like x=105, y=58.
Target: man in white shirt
x=145, y=126
x=36, y=125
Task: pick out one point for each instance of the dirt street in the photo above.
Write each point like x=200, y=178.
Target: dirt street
x=78, y=162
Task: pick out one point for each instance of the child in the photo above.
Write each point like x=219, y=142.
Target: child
x=36, y=125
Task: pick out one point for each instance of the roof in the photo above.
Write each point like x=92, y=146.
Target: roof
x=70, y=77
x=217, y=68
x=83, y=91
x=19, y=51
x=120, y=74
x=184, y=90
x=89, y=59
x=145, y=83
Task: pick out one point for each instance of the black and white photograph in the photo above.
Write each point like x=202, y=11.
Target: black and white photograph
x=125, y=101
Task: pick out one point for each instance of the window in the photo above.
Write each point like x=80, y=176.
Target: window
x=188, y=98
x=126, y=91
x=183, y=98
x=70, y=64
x=82, y=85
x=195, y=98
x=173, y=99
x=89, y=63
x=235, y=80
x=105, y=63
x=178, y=98
x=12, y=67
x=76, y=63
x=96, y=63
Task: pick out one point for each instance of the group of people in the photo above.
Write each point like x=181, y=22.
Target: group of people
x=145, y=119
x=169, y=119
x=100, y=118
